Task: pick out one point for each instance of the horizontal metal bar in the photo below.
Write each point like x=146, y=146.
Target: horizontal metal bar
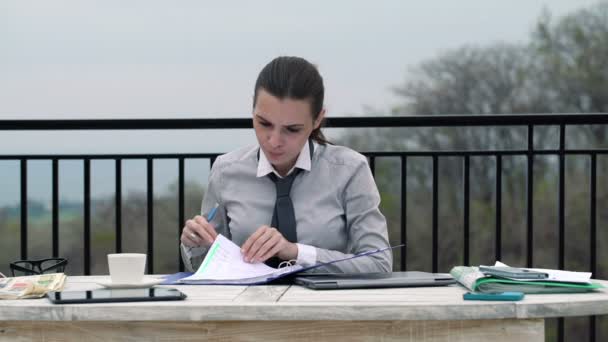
x=124, y=124
x=116, y=156
x=337, y=122
x=448, y=153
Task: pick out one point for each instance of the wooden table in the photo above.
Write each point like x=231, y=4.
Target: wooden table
x=294, y=313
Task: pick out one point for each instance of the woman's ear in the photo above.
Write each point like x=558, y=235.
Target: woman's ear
x=319, y=119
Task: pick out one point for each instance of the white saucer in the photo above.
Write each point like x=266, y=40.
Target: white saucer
x=146, y=282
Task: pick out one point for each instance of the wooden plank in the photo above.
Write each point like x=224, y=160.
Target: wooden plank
x=257, y=294
x=425, y=331
x=434, y=295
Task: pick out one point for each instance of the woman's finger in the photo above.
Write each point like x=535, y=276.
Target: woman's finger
x=187, y=240
x=247, y=245
x=272, y=252
x=198, y=234
x=264, y=235
x=206, y=226
x=266, y=250
x=257, y=244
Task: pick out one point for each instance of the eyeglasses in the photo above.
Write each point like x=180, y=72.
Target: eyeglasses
x=31, y=267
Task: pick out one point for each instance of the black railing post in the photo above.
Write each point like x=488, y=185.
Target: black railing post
x=118, y=203
x=593, y=233
x=435, y=213
x=23, y=209
x=561, y=199
x=87, y=217
x=150, y=249
x=466, y=200
x=561, y=216
x=498, y=218
x=180, y=210
x=404, y=212
x=55, y=207
x=530, y=198
x=372, y=165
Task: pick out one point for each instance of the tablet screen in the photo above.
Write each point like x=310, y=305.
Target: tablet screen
x=115, y=295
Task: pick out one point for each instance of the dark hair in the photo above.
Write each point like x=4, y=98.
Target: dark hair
x=295, y=78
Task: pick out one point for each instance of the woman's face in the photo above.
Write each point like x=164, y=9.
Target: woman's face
x=282, y=127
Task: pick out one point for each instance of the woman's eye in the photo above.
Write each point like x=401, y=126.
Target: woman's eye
x=265, y=124
x=293, y=130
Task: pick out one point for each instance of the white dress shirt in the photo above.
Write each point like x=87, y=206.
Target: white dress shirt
x=307, y=255
x=336, y=203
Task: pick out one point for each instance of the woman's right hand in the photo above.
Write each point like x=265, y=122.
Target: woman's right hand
x=198, y=232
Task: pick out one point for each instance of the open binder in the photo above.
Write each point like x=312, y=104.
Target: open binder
x=224, y=265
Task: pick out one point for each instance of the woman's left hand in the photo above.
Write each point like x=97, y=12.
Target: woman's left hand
x=267, y=242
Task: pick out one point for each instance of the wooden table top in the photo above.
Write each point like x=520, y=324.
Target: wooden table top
x=284, y=302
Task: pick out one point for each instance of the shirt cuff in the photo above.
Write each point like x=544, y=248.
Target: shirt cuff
x=307, y=255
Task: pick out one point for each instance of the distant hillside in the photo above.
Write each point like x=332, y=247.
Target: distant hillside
x=38, y=209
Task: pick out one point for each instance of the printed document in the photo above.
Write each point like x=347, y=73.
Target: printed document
x=224, y=263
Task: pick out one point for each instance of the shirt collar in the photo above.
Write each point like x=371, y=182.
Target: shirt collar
x=303, y=162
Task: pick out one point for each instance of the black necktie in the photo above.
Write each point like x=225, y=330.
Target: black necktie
x=284, y=217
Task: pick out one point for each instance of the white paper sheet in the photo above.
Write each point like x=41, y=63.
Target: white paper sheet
x=224, y=261
x=557, y=275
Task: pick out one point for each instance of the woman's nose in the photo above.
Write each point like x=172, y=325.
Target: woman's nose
x=274, y=138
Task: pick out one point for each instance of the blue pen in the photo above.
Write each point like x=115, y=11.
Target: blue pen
x=210, y=217
x=212, y=212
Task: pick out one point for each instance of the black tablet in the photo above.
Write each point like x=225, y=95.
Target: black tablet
x=115, y=295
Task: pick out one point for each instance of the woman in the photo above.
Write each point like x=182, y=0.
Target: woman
x=293, y=196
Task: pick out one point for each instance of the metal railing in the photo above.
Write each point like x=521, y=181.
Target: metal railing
x=530, y=152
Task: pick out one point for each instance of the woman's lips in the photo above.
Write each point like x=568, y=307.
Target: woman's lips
x=275, y=155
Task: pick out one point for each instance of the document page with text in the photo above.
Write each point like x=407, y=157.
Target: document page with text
x=224, y=261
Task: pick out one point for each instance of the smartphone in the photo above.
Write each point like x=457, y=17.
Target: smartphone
x=115, y=295
x=493, y=296
x=512, y=272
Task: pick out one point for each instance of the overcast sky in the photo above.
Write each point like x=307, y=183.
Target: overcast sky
x=85, y=59
x=168, y=59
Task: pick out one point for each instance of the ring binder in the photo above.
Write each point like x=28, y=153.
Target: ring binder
x=287, y=263
x=224, y=265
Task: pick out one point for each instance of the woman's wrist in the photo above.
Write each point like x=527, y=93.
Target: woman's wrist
x=289, y=253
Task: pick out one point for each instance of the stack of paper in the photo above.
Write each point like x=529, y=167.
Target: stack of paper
x=224, y=264
x=557, y=281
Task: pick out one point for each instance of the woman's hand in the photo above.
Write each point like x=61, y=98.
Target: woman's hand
x=198, y=232
x=267, y=242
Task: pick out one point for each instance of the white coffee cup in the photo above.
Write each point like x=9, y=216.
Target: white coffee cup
x=127, y=268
